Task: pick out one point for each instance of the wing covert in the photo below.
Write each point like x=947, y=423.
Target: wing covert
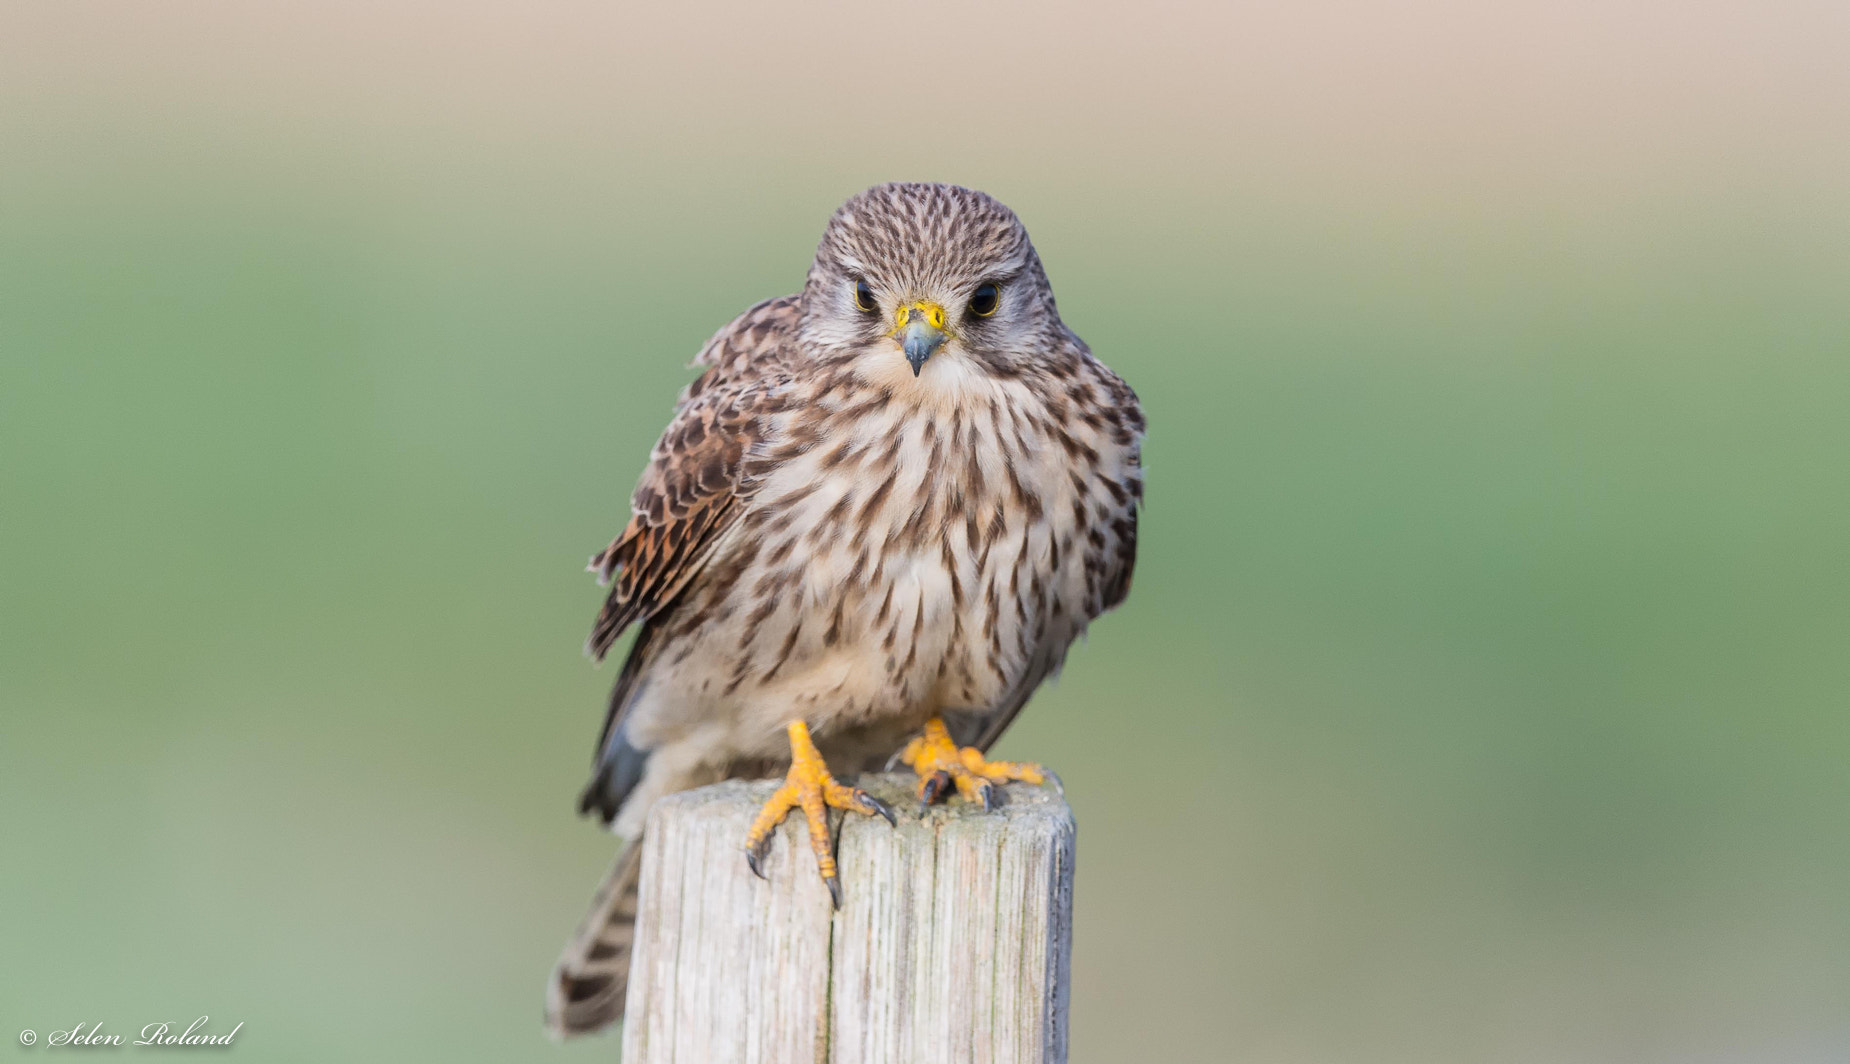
x=693, y=490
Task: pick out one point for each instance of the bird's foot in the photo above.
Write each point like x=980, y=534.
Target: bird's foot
x=809, y=787
x=942, y=764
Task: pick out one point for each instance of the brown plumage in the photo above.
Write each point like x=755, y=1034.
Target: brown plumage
x=897, y=495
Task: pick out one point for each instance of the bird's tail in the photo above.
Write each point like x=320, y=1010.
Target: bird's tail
x=589, y=983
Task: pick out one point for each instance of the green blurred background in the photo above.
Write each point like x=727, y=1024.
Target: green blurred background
x=1482, y=693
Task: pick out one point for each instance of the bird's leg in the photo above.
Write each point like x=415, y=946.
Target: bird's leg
x=941, y=764
x=808, y=786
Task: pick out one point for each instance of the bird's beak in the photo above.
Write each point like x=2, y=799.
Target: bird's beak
x=919, y=328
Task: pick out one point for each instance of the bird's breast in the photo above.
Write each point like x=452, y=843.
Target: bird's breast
x=913, y=553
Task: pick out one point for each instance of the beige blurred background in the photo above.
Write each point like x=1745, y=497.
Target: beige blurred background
x=1482, y=694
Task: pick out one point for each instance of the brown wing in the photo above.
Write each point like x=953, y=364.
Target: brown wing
x=747, y=347
x=691, y=491
x=1109, y=571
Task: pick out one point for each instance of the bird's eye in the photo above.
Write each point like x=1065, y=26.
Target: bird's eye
x=864, y=298
x=983, y=301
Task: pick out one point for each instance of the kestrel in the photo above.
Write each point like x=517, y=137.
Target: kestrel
x=876, y=521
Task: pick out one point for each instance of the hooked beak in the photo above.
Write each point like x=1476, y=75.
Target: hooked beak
x=919, y=328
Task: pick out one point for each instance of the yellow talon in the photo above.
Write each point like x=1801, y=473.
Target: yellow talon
x=808, y=786
x=941, y=763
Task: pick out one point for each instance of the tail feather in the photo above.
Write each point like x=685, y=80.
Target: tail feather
x=588, y=986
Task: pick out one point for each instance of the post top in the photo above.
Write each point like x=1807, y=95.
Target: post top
x=1020, y=802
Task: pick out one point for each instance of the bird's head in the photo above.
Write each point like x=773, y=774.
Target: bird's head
x=924, y=276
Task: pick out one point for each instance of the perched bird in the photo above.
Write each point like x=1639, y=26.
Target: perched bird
x=876, y=521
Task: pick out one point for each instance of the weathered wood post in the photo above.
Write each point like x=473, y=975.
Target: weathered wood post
x=953, y=942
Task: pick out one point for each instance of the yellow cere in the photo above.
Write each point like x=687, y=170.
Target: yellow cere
x=934, y=315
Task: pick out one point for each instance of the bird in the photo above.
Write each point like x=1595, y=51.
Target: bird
x=875, y=523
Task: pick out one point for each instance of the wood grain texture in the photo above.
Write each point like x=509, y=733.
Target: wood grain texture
x=953, y=943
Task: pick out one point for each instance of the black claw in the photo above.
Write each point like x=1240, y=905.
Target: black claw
x=987, y=792
x=834, y=884
x=755, y=854
x=934, y=788
x=880, y=807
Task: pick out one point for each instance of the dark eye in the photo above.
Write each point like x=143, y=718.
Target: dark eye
x=864, y=298
x=983, y=301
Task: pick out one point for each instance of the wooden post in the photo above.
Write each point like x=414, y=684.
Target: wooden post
x=953, y=942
